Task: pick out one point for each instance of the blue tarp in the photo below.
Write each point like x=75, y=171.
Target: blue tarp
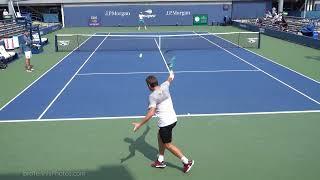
x=308, y=29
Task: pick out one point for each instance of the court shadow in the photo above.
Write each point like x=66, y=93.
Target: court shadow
x=144, y=148
x=317, y=58
x=104, y=172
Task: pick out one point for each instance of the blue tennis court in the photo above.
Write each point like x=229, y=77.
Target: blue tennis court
x=106, y=79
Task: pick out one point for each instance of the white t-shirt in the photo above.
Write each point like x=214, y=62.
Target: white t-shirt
x=161, y=100
x=141, y=16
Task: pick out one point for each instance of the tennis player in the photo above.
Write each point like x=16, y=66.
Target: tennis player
x=27, y=51
x=160, y=103
x=141, y=21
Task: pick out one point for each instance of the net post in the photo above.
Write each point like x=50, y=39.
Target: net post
x=160, y=42
x=239, y=39
x=259, y=39
x=77, y=42
x=56, y=42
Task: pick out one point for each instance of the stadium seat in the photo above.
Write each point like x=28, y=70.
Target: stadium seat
x=7, y=55
x=37, y=40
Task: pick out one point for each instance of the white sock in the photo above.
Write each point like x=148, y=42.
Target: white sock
x=160, y=158
x=184, y=160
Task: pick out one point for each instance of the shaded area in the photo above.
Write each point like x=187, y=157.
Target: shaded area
x=317, y=58
x=251, y=147
x=143, y=147
x=104, y=172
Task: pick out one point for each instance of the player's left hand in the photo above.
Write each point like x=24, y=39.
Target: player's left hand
x=171, y=74
x=136, y=126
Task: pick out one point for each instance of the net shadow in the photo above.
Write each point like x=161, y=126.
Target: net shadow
x=316, y=58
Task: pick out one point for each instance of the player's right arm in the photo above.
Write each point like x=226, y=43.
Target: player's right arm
x=148, y=116
x=151, y=112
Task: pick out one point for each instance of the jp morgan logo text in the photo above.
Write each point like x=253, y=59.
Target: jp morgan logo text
x=117, y=13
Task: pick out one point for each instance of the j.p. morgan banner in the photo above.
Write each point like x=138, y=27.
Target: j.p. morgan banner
x=128, y=15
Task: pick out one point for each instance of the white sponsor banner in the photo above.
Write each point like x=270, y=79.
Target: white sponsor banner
x=117, y=13
x=178, y=13
x=149, y=14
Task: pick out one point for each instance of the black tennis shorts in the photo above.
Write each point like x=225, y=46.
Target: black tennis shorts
x=165, y=133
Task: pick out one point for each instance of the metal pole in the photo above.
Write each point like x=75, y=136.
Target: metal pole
x=62, y=15
x=11, y=9
x=18, y=6
x=280, y=6
x=305, y=8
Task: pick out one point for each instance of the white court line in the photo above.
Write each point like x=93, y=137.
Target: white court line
x=164, y=60
x=43, y=75
x=119, y=73
x=262, y=71
x=71, y=79
x=269, y=60
x=180, y=115
x=176, y=72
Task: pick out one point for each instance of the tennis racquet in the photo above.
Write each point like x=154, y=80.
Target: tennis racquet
x=170, y=59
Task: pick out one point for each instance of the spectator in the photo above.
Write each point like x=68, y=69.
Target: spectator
x=277, y=19
x=274, y=11
x=268, y=15
x=18, y=14
x=283, y=24
x=226, y=20
x=274, y=19
x=259, y=21
x=5, y=13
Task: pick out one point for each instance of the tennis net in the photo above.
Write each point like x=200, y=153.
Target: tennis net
x=150, y=42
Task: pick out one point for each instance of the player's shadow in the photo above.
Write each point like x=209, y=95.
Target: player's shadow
x=143, y=147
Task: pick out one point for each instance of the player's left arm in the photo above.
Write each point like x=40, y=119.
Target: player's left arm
x=149, y=115
x=171, y=77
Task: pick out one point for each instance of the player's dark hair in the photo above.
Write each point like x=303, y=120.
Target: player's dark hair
x=152, y=81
